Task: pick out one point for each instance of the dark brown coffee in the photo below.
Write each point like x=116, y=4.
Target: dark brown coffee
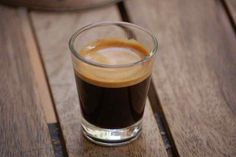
x=113, y=97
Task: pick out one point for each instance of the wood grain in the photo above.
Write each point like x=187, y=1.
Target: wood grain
x=39, y=76
x=23, y=129
x=232, y=8
x=195, y=73
x=53, y=32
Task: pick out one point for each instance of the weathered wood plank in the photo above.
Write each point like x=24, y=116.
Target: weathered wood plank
x=53, y=31
x=39, y=76
x=39, y=152
x=23, y=128
x=195, y=73
x=232, y=8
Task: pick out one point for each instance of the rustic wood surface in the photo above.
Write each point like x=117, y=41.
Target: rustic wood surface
x=57, y=28
x=23, y=128
x=231, y=4
x=194, y=80
x=195, y=75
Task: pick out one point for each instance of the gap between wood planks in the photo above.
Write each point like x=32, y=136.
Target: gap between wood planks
x=42, y=84
x=155, y=103
x=228, y=13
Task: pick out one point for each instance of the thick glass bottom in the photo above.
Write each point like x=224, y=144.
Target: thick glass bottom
x=111, y=137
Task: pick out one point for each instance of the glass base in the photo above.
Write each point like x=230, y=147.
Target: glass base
x=111, y=137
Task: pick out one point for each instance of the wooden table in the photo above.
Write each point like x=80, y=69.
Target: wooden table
x=191, y=111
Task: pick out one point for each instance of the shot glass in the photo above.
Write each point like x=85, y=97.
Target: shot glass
x=112, y=95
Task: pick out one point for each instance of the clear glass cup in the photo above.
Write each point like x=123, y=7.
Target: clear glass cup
x=112, y=97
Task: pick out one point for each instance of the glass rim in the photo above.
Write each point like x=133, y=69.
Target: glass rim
x=75, y=53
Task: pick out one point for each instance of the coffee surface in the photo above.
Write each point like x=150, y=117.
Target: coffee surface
x=113, y=52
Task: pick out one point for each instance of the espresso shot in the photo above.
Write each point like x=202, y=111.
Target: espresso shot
x=118, y=103
x=112, y=64
x=112, y=108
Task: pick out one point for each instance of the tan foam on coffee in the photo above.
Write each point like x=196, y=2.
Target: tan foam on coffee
x=113, y=52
